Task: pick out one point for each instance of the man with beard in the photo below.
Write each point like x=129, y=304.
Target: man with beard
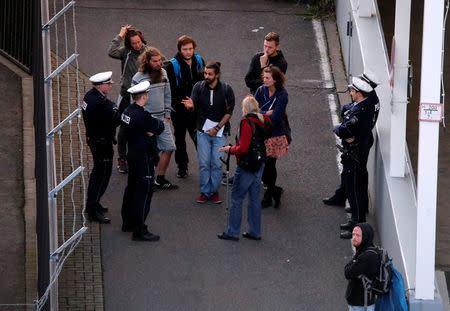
x=354, y=131
x=184, y=70
x=134, y=44
x=159, y=106
x=213, y=101
x=365, y=263
x=101, y=118
x=272, y=55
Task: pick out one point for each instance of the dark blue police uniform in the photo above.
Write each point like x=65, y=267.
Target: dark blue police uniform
x=357, y=122
x=101, y=118
x=142, y=157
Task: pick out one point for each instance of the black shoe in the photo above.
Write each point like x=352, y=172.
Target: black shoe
x=346, y=235
x=333, y=201
x=225, y=236
x=277, y=191
x=182, y=173
x=101, y=208
x=267, y=199
x=98, y=217
x=163, y=183
x=348, y=226
x=348, y=209
x=251, y=237
x=149, y=237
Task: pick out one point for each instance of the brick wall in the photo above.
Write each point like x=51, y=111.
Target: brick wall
x=80, y=284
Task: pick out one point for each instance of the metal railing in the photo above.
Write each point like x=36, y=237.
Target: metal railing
x=16, y=31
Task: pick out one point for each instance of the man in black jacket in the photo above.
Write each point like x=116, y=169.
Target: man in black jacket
x=101, y=118
x=365, y=262
x=183, y=71
x=271, y=56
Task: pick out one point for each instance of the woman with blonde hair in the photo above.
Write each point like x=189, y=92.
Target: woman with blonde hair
x=247, y=178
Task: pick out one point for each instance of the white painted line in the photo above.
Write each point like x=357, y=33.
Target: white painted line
x=321, y=44
x=325, y=69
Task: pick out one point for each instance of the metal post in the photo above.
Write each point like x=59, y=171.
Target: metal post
x=42, y=228
x=51, y=169
x=400, y=88
x=428, y=150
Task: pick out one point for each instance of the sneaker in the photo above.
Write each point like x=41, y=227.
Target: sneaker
x=122, y=166
x=215, y=198
x=182, y=173
x=202, y=198
x=230, y=181
x=162, y=183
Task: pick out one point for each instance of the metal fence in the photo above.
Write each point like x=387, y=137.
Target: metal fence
x=15, y=31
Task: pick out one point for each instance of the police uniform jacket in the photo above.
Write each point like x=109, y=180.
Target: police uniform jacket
x=137, y=123
x=100, y=116
x=357, y=122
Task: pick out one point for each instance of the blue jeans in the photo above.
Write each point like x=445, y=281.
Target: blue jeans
x=209, y=162
x=358, y=308
x=246, y=181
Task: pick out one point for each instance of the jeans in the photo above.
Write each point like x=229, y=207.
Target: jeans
x=209, y=162
x=245, y=181
x=358, y=308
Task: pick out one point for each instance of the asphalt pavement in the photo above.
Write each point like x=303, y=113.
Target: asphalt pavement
x=298, y=264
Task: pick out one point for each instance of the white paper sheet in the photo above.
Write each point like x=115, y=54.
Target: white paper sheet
x=210, y=124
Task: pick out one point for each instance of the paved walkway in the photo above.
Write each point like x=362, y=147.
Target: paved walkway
x=299, y=263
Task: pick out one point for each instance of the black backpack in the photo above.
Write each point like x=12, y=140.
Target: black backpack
x=256, y=155
x=382, y=283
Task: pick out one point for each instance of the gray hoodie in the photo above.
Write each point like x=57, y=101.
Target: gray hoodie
x=159, y=99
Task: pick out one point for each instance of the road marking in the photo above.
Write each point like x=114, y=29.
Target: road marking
x=325, y=70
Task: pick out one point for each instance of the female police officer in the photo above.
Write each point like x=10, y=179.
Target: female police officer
x=140, y=128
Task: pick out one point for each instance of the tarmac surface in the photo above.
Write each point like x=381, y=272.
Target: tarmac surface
x=298, y=265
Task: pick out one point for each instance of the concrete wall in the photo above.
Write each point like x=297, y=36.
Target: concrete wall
x=12, y=222
x=392, y=199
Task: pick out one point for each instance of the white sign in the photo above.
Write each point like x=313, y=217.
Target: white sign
x=430, y=112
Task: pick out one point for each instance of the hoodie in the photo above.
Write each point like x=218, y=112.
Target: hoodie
x=364, y=262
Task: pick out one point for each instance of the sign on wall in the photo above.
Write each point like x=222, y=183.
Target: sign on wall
x=430, y=112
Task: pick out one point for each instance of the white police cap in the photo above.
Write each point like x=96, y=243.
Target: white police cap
x=360, y=85
x=140, y=88
x=101, y=78
x=371, y=78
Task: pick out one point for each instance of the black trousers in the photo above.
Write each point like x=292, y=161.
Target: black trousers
x=183, y=122
x=121, y=138
x=138, y=193
x=340, y=194
x=102, y=153
x=354, y=178
x=269, y=176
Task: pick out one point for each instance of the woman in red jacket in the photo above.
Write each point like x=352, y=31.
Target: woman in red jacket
x=246, y=179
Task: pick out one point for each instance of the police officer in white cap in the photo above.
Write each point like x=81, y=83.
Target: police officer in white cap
x=355, y=131
x=339, y=197
x=140, y=130
x=101, y=118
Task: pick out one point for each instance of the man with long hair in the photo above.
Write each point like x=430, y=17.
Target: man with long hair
x=126, y=46
x=159, y=106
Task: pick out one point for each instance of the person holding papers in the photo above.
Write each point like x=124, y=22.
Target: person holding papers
x=214, y=102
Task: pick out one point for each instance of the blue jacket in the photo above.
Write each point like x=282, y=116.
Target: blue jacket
x=277, y=102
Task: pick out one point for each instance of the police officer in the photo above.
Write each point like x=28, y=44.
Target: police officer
x=338, y=199
x=140, y=130
x=101, y=118
x=355, y=131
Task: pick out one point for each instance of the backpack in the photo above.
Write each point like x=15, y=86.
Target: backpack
x=256, y=155
x=395, y=300
x=382, y=282
x=176, y=66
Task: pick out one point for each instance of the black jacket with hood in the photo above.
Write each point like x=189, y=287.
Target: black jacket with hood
x=364, y=262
